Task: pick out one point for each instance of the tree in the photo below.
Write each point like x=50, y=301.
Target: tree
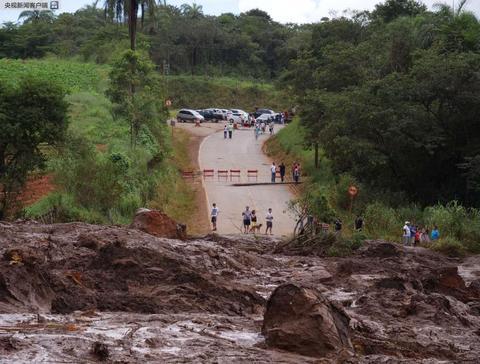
x=33, y=16
x=31, y=116
x=135, y=92
x=193, y=11
x=392, y=9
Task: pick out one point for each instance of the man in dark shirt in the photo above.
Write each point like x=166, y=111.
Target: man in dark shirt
x=282, y=172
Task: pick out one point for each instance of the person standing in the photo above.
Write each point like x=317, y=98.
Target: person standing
x=359, y=222
x=435, y=233
x=214, y=216
x=254, y=221
x=273, y=171
x=269, y=219
x=406, y=233
x=338, y=226
x=413, y=232
x=230, y=130
x=225, y=132
x=282, y=172
x=247, y=218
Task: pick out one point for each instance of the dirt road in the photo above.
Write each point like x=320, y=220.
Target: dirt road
x=243, y=152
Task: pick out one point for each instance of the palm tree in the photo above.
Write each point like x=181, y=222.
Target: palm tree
x=193, y=11
x=34, y=16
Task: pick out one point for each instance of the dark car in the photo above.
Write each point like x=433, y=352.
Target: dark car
x=259, y=112
x=209, y=115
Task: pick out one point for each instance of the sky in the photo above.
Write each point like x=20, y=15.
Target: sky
x=284, y=11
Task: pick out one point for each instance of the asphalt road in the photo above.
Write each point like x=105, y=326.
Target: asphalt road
x=243, y=152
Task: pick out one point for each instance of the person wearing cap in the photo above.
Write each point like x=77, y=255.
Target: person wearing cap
x=406, y=233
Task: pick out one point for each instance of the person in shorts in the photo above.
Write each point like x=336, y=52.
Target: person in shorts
x=247, y=218
x=269, y=219
x=214, y=216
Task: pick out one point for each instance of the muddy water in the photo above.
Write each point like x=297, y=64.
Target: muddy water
x=157, y=300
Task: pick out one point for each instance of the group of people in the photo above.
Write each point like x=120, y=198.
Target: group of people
x=249, y=220
x=282, y=169
x=261, y=128
x=414, y=234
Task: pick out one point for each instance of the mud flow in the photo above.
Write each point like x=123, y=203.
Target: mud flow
x=82, y=293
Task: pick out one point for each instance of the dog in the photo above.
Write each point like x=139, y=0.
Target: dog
x=256, y=229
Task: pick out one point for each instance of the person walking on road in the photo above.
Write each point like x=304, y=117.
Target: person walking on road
x=296, y=174
x=247, y=218
x=273, y=171
x=406, y=233
x=269, y=219
x=230, y=130
x=282, y=172
x=257, y=131
x=293, y=170
x=214, y=216
x=225, y=131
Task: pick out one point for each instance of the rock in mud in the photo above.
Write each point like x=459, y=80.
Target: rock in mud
x=100, y=351
x=301, y=320
x=157, y=223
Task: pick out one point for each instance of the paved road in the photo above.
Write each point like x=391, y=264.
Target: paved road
x=243, y=152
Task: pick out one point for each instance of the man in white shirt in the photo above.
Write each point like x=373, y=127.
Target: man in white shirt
x=273, y=171
x=406, y=233
x=214, y=216
x=247, y=217
x=269, y=219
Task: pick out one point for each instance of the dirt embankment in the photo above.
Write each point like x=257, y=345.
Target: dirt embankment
x=78, y=292
x=192, y=137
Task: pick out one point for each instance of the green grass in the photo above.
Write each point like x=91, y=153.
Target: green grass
x=71, y=75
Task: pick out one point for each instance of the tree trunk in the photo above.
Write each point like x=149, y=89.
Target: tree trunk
x=132, y=23
x=316, y=154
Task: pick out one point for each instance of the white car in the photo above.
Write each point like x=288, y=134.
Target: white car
x=266, y=118
x=241, y=112
x=235, y=118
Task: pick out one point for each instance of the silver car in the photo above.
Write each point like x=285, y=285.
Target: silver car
x=188, y=115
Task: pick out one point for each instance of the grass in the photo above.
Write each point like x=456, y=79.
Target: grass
x=72, y=76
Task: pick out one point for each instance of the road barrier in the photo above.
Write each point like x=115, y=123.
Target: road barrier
x=252, y=173
x=188, y=175
x=222, y=173
x=234, y=173
x=208, y=173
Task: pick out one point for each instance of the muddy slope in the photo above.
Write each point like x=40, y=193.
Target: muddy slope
x=78, y=292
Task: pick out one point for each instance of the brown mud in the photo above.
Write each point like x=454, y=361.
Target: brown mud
x=83, y=293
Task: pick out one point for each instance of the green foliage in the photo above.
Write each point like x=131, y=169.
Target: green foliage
x=32, y=114
x=387, y=97
x=136, y=93
x=450, y=246
x=72, y=76
x=201, y=92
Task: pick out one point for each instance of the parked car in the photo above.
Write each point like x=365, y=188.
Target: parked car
x=218, y=114
x=266, y=118
x=236, y=117
x=259, y=112
x=187, y=115
x=241, y=112
x=208, y=115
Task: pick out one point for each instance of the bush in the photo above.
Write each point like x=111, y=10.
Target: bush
x=382, y=221
x=61, y=207
x=449, y=246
